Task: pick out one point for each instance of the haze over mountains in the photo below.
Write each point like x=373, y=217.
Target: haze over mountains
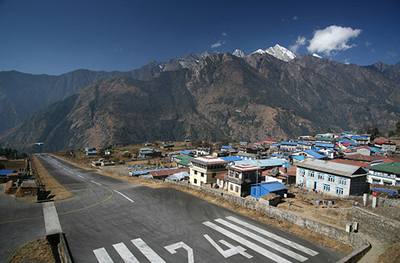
x=207, y=96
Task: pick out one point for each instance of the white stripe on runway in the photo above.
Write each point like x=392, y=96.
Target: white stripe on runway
x=125, y=254
x=149, y=253
x=102, y=255
x=247, y=243
x=262, y=240
x=99, y=184
x=126, y=197
x=274, y=236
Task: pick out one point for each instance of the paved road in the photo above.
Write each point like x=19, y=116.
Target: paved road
x=109, y=220
x=20, y=222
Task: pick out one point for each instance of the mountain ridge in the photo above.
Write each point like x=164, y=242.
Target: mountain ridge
x=214, y=97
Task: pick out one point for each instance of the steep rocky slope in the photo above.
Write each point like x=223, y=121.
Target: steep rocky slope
x=217, y=96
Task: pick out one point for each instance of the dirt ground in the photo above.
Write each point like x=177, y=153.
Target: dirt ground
x=36, y=251
x=51, y=184
x=391, y=255
x=120, y=172
x=303, y=203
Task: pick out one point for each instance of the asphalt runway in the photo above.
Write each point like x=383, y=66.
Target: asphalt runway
x=108, y=220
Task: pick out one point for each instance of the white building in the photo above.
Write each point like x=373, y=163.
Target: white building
x=385, y=174
x=331, y=178
x=203, y=170
x=239, y=179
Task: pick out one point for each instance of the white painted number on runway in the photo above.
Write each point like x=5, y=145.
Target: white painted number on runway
x=172, y=249
x=280, y=250
x=229, y=252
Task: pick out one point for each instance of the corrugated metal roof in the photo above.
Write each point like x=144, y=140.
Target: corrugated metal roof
x=393, y=168
x=6, y=172
x=263, y=162
x=330, y=167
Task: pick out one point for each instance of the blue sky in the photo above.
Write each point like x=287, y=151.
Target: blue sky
x=57, y=36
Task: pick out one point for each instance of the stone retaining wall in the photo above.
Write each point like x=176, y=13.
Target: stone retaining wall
x=340, y=235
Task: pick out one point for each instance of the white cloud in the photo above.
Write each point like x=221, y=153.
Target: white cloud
x=332, y=38
x=224, y=34
x=295, y=18
x=300, y=41
x=218, y=44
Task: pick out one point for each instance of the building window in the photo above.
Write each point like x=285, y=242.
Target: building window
x=213, y=175
x=327, y=188
x=195, y=172
x=195, y=181
x=231, y=187
x=202, y=174
x=339, y=191
x=237, y=189
x=331, y=178
x=320, y=176
x=311, y=174
x=342, y=181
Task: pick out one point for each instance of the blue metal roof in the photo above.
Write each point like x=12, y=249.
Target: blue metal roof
x=325, y=145
x=298, y=157
x=6, y=172
x=271, y=186
x=389, y=192
x=314, y=154
x=232, y=158
x=186, y=152
x=288, y=143
x=226, y=147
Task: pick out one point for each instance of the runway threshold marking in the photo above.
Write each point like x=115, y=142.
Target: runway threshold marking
x=123, y=195
x=125, y=254
x=102, y=255
x=245, y=242
x=149, y=253
x=262, y=240
x=273, y=236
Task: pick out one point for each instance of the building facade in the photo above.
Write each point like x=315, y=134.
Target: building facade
x=331, y=178
x=203, y=170
x=239, y=178
x=385, y=174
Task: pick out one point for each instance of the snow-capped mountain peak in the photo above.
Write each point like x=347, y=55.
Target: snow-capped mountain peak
x=238, y=53
x=281, y=53
x=277, y=51
x=259, y=51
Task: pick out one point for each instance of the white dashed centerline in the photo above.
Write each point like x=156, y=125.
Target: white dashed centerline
x=126, y=197
x=96, y=183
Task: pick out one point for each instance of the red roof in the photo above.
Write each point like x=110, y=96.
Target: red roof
x=168, y=172
x=366, y=158
x=351, y=162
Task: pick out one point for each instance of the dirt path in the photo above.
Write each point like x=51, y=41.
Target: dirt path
x=36, y=251
x=52, y=184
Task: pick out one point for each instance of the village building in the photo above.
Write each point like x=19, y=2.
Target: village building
x=385, y=145
x=146, y=152
x=203, y=170
x=239, y=179
x=384, y=174
x=331, y=178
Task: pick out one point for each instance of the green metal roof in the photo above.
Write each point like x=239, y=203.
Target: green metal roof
x=184, y=159
x=392, y=168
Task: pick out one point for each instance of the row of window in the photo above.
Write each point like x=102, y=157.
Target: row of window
x=236, y=188
x=327, y=188
x=331, y=178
